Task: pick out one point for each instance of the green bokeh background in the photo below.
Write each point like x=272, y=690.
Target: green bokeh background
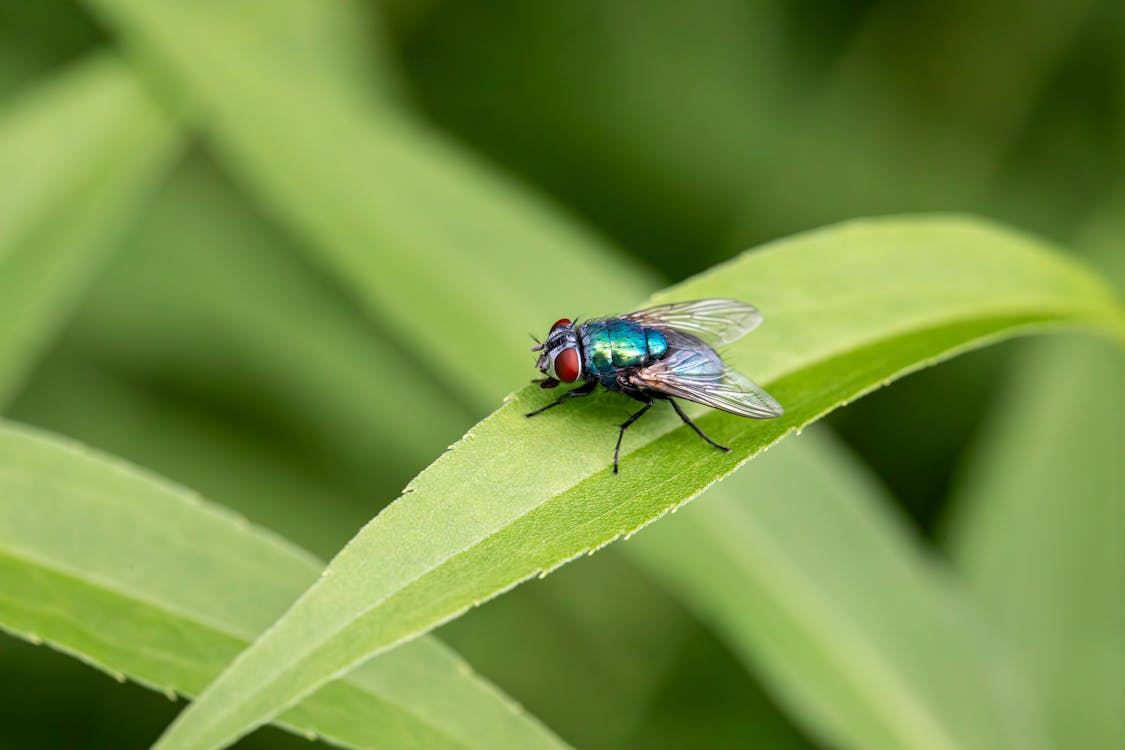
x=682, y=132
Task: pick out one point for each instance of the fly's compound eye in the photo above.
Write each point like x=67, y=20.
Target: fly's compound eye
x=560, y=323
x=566, y=365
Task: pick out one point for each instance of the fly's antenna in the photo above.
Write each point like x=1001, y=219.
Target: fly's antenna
x=538, y=343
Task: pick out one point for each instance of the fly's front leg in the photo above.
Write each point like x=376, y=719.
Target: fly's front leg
x=695, y=427
x=582, y=390
x=626, y=423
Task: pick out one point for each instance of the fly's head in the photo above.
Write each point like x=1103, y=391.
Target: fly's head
x=559, y=360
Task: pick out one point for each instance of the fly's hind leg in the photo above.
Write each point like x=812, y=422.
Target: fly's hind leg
x=583, y=390
x=694, y=426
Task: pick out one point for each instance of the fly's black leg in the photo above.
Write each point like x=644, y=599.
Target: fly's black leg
x=625, y=426
x=695, y=427
x=582, y=390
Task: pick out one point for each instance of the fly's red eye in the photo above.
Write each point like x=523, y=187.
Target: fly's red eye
x=560, y=323
x=566, y=365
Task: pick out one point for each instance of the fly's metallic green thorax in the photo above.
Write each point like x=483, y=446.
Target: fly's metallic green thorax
x=612, y=345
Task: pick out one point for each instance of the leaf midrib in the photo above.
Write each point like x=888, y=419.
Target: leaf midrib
x=1061, y=311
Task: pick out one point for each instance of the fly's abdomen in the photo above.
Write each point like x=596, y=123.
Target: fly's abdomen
x=657, y=343
x=613, y=345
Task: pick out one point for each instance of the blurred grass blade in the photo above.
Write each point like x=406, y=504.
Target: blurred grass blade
x=172, y=602
x=1038, y=520
x=79, y=154
x=337, y=39
x=795, y=566
x=347, y=176
x=208, y=301
x=861, y=142
x=848, y=309
x=1039, y=533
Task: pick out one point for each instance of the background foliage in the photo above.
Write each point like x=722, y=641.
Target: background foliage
x=217, y=313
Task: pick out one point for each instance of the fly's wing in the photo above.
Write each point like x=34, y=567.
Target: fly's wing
x=716, y=321
x=700, y=376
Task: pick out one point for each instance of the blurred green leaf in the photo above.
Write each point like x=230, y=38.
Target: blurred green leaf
x=849, y=308
x=278, y=335
x=686, y=133
x=700, y=703
x=916, y=94
x=346, y=175
x=596, y=641
x=797, y=566
x=265, y=389
x=173, y=600
x=37, y=37
x=1038, y=519
x=1038, y=533
x=652, y=119
x=81, y=153
x=338, y=39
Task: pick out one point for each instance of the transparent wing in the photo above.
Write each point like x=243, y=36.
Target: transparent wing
x=716, y=321
x=700, y=376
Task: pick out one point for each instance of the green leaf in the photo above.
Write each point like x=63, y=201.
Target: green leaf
x=848, y=309
x=593, y=120
x=172, y=601
x=794, y=565
x=346, y=175
x=69, y=190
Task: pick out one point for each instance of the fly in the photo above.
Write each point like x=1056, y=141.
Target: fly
x=657, y=354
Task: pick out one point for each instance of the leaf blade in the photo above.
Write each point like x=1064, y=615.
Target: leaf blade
x=478, y=522
x=170, y=603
